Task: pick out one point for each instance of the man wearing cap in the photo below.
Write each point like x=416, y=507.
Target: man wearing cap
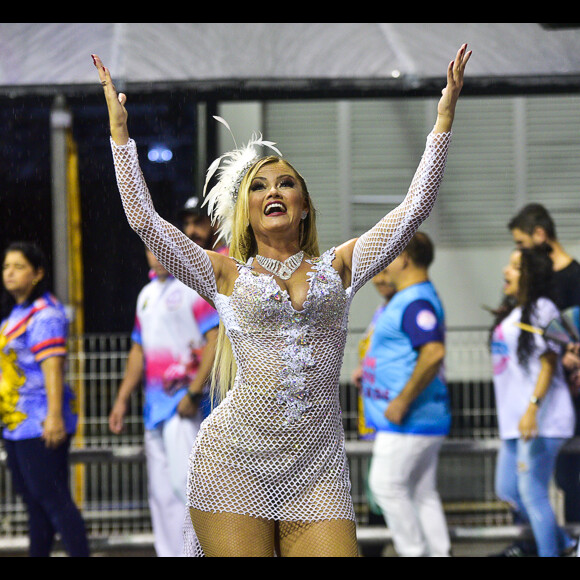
x=172, y=353
x=197, y=226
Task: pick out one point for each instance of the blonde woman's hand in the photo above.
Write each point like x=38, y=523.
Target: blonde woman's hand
x=451, y=92
x=115, y=104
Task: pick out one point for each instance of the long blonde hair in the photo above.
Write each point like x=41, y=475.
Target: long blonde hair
x=242, y=247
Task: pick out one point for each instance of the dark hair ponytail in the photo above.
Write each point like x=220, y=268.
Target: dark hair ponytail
x=535, y=282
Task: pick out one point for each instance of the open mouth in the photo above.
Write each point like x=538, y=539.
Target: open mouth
x=275, y=208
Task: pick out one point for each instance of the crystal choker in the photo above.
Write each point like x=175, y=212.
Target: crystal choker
x=283, y=269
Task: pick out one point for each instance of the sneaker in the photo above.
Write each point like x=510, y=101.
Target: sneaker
x=515, y=551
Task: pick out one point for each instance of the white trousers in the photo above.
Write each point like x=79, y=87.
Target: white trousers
x=167, y=449
x=403, y=481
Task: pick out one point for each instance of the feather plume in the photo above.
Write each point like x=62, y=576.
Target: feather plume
x=230, y=169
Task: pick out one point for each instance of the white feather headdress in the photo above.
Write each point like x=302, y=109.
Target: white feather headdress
x=231, y=168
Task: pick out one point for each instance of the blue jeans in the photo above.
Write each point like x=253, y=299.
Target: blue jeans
x=523, y=473
x=41, y=477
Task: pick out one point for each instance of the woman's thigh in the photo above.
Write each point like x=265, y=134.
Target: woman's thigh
x=330, y=538
x=233, y=535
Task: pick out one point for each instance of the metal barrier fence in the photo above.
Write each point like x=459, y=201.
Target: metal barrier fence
x=108, y=473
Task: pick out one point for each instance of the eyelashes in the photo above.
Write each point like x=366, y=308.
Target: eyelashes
x=259, y=184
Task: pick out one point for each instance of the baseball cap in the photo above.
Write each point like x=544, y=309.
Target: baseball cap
x=192, y=207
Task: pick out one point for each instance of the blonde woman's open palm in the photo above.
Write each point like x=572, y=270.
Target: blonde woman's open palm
x=115, y=104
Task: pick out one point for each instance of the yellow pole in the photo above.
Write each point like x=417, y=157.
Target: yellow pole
x=76, y=301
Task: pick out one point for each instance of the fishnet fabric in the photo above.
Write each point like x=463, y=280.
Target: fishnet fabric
x=379, y=246
x=268, y=471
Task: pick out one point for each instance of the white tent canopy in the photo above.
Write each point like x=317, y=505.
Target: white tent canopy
x=55, y=56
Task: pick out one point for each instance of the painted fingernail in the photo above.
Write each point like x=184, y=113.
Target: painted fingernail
x=94, y=59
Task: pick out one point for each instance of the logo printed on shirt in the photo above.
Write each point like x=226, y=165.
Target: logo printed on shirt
x=426, y=320
x=499, y=351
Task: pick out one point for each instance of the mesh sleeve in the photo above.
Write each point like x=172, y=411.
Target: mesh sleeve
x=375, y=249
x=183, y=258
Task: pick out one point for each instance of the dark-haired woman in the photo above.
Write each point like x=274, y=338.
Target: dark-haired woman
x=534, y=407
x=36, y=405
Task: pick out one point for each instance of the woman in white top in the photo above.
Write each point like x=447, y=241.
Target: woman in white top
x=268, y=471
x=534, y=407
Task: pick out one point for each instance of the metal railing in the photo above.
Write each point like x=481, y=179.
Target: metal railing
x=109, y=479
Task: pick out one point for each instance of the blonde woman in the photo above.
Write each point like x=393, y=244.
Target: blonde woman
x=268, y=472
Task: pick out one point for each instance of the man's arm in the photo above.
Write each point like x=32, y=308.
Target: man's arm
x=189, y=404
x=431, y=355
x=131, y=379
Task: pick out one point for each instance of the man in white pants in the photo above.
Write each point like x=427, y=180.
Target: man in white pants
x=172, y=352
x=405, y=399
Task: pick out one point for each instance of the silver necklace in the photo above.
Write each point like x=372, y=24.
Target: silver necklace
x=283, y=269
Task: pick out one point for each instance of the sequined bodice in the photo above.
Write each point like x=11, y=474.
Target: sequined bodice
x=261, y=305
x=261, y=319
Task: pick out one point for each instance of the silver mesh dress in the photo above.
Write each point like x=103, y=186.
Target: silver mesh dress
x=274, y=447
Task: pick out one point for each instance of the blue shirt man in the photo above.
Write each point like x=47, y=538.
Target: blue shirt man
x=413, y=318
x=405, y=399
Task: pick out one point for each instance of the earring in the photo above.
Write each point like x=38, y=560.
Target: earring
x=304, y=214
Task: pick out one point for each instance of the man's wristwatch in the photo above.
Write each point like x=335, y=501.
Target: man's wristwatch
x=194, y=397
x=535, y=401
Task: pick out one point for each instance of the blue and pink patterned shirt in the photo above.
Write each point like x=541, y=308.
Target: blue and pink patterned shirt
x=170, y=323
